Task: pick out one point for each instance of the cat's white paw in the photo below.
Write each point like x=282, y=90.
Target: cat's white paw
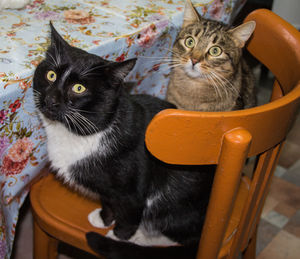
x=141, y=238
x=111, y=235
x=96, y=220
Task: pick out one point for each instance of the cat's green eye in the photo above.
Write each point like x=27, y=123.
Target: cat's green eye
x=78, y=88
x=51, y=76
x=215, y=51
x=189, y=42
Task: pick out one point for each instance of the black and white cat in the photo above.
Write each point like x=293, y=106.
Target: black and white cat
x=95, y=137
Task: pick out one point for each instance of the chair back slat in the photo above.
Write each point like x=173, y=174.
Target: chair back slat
x=256, y=197
x=228, y=173
x=191, y=138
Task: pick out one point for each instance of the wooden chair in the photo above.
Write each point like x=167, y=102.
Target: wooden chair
x=194, y=138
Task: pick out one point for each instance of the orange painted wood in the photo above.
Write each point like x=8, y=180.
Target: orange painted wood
x=176, y=135
x=45, y=246
x=61, y=213
x=228, y=174
x=250, y=251
x=275, y=43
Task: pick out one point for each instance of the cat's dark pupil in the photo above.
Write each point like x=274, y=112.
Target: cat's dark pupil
x=79, y=88
x=52, y=75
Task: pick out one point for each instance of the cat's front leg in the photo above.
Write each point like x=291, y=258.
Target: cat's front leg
x=127, y=221
x=124, y=231
x=107, y=215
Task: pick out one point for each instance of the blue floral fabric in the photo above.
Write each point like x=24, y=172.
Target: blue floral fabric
x=113, y=29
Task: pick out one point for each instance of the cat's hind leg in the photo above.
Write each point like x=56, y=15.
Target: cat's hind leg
x=124, y=231
x=97, y=219
x=141, y=237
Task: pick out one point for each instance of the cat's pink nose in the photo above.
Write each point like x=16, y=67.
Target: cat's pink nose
x=194, y=61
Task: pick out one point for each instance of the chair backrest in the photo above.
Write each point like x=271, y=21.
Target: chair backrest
x=228, y=138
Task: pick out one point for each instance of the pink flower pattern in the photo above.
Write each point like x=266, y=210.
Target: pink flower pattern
x=10, y=167
x=21, y=150
x=3, y=116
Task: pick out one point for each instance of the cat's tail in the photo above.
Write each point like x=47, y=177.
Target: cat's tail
x=113, y=249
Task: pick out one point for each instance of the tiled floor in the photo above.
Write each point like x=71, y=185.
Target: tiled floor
x=279, y=228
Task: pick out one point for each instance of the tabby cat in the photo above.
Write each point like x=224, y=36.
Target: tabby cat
x=209, y=71
x=95, y=140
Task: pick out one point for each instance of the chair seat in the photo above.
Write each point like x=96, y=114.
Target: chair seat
x=63, y=213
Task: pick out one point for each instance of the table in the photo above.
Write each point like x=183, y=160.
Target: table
x=115, y=30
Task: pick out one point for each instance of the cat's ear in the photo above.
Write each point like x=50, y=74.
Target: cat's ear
x=56, y=39
x=190, y=15
x=122, y=69
x=242, y=33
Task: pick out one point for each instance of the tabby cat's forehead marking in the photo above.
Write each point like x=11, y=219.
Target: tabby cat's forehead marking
x=209, y=30
x=215, y=38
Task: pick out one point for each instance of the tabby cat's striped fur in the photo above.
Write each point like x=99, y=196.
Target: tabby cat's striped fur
x=209, y=72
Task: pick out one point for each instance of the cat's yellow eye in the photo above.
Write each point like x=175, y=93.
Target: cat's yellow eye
x=78, y=88
x=189, y=42
x=215, y=51
x=51, y=76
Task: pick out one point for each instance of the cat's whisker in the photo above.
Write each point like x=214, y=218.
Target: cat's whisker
x=162, y=61
x=208, y=77
x=170, y=62
x=175, y=65
x=220, y=84
x=173, y=52
x=80, y=110
x=169, y=67
x=153, y=57
x=76, y=110
x=36, y=92
x=55, y=62
x=81, y=122
x=67, y=121
x=75, y=123
x=36, y=99
x=231, y=86
x=57, y=55
x=88, y=70
x=87, y=123
x=215, y=86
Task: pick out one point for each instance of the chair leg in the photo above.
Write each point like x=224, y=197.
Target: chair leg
x=45, y=246
x=250, y=251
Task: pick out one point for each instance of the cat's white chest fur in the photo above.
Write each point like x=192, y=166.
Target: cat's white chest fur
x=65, y=149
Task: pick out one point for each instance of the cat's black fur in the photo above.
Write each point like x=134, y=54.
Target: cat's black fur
x=112, y=249
x=121, y=171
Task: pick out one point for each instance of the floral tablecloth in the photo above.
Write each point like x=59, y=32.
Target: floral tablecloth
x=115, y=30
